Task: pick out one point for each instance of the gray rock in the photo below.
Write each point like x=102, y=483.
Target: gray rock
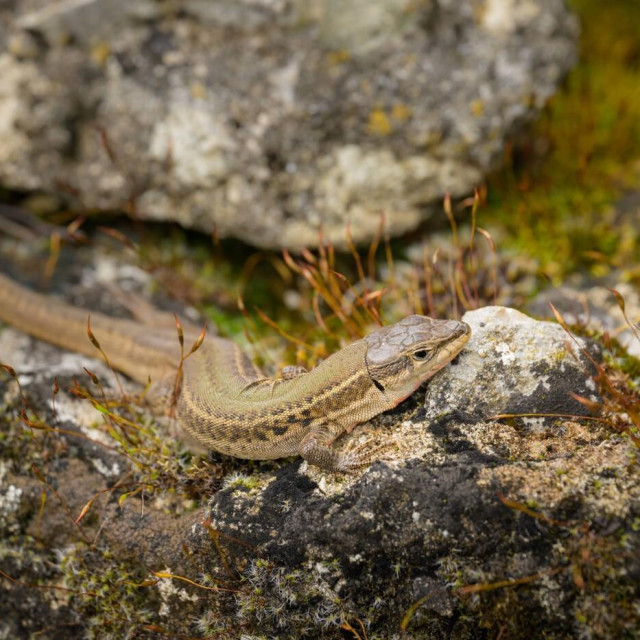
x=266, y=119
x=514, y=364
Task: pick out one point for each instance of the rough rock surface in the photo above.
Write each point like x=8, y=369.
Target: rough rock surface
x=265, y=119
x=516, y=365
x=487, y=527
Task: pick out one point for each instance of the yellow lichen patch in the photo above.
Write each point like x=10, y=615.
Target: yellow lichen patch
x=198, y=90
x=335, y=58
x=379, y=123
x=400, y=112
x=477, y=107
x=100, y=52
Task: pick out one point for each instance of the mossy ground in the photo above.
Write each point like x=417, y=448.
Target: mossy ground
x=557, y=197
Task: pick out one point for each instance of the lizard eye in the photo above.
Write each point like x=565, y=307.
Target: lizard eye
x=422, y=354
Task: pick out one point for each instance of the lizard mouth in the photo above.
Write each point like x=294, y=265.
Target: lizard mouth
x=450, y=351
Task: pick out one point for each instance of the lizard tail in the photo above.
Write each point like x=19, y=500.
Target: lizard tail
x=130, y=347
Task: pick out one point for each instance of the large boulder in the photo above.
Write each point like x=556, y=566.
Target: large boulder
x=264, y=119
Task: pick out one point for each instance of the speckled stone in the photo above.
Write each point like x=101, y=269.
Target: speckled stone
x=267, y=120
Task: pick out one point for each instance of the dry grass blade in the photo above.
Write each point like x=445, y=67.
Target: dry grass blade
x=281, y=267
x=107, y=146
x=120, y=237
x=477, y=588
x=73, y=229
x=284, y=334
x=315, y=303
x=164, y=575
x=461, y=286
x=518, y=506
x=356, y=257
x=199, y=340
x=178, y=377
x=104, y=356
x=622, y=305
x=361, y=302
x=616, y=402
x=502, y=584
x=452, y=221
x=428, y=280
x=453, y=292
x=492, y=248
x=250, y=327
x=290, y=262
x=373, y=249
x=180, y=333
x=593, y=406
x=332, y=300
x=55, y=243
x=472, y=237
x=12, y=372
x=563, y=324
x=54, y=393
x=85, y=508
x=216, y=536
x=308, y=256
x=347, y=627
x=505, y=416
x=416, y=605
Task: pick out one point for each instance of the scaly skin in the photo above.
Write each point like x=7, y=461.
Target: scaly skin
x=225, y=401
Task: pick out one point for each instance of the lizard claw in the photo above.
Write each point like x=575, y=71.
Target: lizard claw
x=362, y=455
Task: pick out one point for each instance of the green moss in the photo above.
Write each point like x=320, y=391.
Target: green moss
x=556, y=206
x=630, y=365
x=104, y=593
x=619, y=358
x=238, y=480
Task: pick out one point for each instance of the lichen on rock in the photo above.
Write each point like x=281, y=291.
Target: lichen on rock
x=267, y=121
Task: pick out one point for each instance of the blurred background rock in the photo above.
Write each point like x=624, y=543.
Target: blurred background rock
x=266, y=119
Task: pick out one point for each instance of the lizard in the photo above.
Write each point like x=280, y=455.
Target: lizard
x=226, y=403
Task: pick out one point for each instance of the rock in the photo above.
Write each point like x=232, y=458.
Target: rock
x=514, y=364
x=266, y=119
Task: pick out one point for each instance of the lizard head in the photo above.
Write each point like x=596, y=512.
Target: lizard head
x=402, y=356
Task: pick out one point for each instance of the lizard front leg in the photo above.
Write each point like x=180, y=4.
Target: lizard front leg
x=316, y=449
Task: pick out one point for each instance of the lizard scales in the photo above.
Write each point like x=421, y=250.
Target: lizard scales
x=227, y=403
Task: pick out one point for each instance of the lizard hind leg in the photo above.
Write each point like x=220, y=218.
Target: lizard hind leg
x=316, y=449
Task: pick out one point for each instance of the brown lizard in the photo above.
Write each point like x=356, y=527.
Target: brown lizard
x=225, y=401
